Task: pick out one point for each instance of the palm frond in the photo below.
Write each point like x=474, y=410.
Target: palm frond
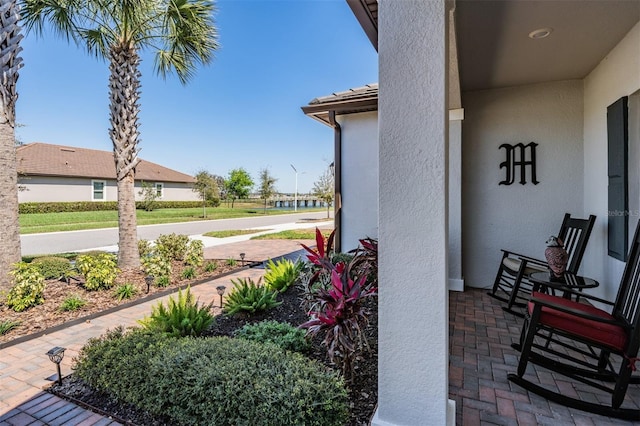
x=60, y=14
x=190, y=37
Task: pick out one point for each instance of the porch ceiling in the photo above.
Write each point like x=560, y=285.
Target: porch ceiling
x=494, y=48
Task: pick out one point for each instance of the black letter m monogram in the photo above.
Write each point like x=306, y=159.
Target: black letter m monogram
x=516, y=157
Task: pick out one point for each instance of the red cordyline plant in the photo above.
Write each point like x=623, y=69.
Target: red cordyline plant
x=365, y=260
x=321, y=256
x=340, y=313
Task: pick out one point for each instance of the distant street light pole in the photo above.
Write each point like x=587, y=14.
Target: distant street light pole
x=295, y=195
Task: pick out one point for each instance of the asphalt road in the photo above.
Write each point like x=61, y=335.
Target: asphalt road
x=60, y=242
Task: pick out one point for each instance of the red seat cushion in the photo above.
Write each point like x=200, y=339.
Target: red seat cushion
x=610, y=335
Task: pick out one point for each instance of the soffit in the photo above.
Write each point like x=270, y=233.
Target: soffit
x=494, y=49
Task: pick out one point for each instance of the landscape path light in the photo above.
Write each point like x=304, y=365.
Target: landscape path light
x=220, y=289
x=242, y=255
x=148, y=280
x=55, y=355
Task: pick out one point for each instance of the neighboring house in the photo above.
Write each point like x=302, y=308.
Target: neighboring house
x=501, y=74
x=61, y=173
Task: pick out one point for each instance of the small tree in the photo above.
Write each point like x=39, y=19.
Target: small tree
x=267, y=186
x=207, y=188
x=239, y=184
x=324, y=188
x=149, y=196
x=222, y=187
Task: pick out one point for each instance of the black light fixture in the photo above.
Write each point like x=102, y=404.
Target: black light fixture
x=148, y=280
x=220, y=289
x=55, y=355
x=242, y=255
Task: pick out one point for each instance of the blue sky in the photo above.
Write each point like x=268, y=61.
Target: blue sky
x=243, y=110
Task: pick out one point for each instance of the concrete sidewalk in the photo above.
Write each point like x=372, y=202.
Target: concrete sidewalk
x=24, y=367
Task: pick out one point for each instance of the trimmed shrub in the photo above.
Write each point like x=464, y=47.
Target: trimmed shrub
x=144, y=248
x=281, y=334
x=172, y=246
x=52, y=267
x=28, y=290
x=217, y=380
x=88, y=206
x=99, y=270
x=156, y=265
x=181, y=317
x=194, y=255
x=247, y=296
x=280, y=275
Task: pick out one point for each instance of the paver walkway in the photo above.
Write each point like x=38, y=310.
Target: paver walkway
x=24, y=367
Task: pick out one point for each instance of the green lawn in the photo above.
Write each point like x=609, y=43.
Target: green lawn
x=232, y=232
x=50, y=222
x=293, y=234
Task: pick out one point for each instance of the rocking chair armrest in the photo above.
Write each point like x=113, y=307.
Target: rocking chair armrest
x=539, y=303
x=578, y=292
x=527, y=259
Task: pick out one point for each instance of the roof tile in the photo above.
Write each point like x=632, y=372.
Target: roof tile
x=57, y=160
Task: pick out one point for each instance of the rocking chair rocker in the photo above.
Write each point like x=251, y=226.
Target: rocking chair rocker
x=585, y=343
x=512, y=284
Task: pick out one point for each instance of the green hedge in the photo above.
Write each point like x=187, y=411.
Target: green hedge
x=215, y=380
x=91, y=206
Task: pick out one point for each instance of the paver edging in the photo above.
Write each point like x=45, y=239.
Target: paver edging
x=84, y=405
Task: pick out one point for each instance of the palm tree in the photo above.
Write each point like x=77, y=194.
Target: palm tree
x=182, y=35
x=10, y=63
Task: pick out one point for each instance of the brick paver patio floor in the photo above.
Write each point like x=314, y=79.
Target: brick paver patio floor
x=480, y=337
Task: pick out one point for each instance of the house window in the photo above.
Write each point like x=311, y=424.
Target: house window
x=98, y=193
x=159, y=189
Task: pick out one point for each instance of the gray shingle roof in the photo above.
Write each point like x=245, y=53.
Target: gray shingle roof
x=57, y=160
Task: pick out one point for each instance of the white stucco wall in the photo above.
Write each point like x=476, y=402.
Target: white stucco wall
x=52, y=189
x=518, y=217
x=617, y=75
x=173, y=191
x=413, y=360
x=360, y=185
x=359, y=178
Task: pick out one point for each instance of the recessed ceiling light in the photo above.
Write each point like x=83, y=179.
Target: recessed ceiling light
x=540, y=33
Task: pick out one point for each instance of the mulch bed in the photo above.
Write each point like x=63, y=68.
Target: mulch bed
x=363, y=391
x=47, y=315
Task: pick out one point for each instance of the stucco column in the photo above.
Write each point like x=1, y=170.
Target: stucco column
x=413, y=299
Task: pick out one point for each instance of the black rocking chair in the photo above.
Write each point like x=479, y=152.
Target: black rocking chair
x=585, y=343
x=512, y=284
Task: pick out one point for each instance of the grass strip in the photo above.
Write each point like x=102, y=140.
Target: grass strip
x=233, y=232
x=293, y=234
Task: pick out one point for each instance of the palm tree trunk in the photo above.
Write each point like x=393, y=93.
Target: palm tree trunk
x=124, y=93
x=9, y=225
x=10, y=63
